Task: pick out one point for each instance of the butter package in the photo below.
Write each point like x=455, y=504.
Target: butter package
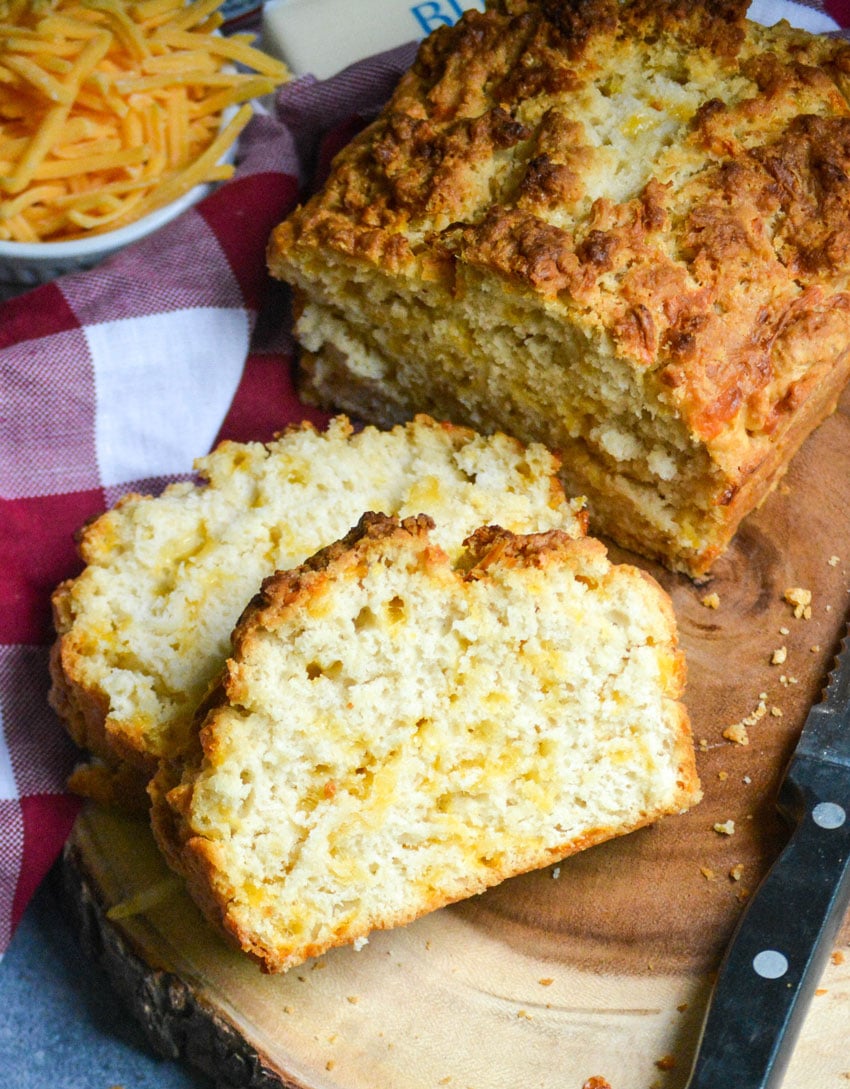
x=321, y=37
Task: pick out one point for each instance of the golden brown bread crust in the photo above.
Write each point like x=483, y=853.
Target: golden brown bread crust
x=115, y=775
x=721, y=282
x=202, y=857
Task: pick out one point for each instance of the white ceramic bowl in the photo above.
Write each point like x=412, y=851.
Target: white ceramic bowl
x=31, y=263
x=37, y=262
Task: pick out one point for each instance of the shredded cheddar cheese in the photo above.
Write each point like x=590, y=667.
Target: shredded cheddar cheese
x=109, y=110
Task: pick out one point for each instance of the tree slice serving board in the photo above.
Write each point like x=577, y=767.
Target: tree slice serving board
x=598, y=967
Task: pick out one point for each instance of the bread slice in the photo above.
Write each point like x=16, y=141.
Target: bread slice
x=397, y=730
x=620, y=229
x=146, y=626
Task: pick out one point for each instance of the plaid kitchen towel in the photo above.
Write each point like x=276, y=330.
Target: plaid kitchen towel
x=116, y=379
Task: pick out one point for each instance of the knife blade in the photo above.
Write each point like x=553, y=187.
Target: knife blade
x=779, y=948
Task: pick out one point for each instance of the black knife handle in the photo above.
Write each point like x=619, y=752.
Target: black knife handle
x=779, y=948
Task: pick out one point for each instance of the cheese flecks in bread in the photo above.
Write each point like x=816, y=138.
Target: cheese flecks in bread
x=617, y=228
x=396, y=730
x=146, y=626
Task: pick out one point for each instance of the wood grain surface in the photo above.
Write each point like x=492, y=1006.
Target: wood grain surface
x=599, y=967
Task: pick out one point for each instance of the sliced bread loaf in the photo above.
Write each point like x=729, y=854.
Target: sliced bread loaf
x=613, y=226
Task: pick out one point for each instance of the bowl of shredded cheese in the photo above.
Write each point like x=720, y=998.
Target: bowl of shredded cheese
x=114, y=118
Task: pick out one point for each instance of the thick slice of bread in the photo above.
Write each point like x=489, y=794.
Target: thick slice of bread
x=396, y=730
x=146, y=625
x=618, y=228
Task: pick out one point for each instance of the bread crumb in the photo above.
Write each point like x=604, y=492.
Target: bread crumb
x=815, y=649
x=666, y=1062
x=289, y=1009
x=737, y=871
x=779, y=656
x=837, y=957
x=330, y=1064
x=756, y=715
x=682, y=1007
x=833, y=561
x=547, y=982
x=711, y=601
x=359, y=943
x=821, y=990
x=524, y=1014
x=743, y=893
x=725, y=828
x=776, y=712
x=801, y=600
x=784, y=631
x=353, y=999
x=703, y=744
x=737, y=733
x=708, y=873
x=596, y=1082
x=556, y=872
x=445, y=1080
x=723, y=776
x=746, y=779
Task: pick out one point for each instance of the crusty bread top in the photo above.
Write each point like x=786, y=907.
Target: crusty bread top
x=668, y=173
x=396, y=730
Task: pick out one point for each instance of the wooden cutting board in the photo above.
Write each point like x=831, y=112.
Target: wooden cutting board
x=599, y=967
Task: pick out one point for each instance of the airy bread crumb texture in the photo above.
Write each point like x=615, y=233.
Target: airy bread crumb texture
x=397, y=729
x=146, y=625
x=620, y=229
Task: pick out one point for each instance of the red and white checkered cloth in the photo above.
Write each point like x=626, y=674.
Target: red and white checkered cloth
x=116, y=379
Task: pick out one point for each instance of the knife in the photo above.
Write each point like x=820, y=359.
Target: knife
x=780, y=945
